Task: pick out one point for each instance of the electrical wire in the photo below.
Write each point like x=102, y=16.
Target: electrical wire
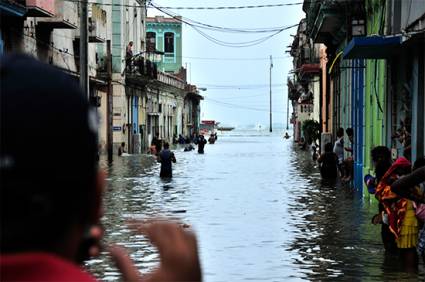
x=233, y=7
x=224, y=43
x=231, y=59
x=235, y=106
x=242, y=97
x=201, y=7
x=246, y=86
x=196, y=24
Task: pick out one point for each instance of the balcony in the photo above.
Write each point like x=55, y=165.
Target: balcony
x=66, y=16
x=140, y=71
x=171, y=80
x=307, y=69
x=327, y=24
x=96, y=25
x=40, y=8
x=326, y=20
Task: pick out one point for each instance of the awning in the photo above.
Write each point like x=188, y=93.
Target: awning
x=12, y=8
x=194, y=95
x=310, y=68
x=372, y=47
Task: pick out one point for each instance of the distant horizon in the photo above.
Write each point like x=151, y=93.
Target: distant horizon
x=275, y=125
x=235, y=81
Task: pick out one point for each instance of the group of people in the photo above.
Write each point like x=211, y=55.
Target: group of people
x=51, y=204
x=332, y=161
x=400, y=190
x=166, y=157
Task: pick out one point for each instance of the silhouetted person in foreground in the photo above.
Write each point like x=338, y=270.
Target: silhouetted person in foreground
x=51, y=203
x=166, y=158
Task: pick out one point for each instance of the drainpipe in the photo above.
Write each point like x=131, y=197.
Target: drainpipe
x=130, y=149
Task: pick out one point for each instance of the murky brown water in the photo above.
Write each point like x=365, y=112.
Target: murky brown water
x=259, y=209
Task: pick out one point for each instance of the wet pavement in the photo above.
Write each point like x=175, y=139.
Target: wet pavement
x=259, y=209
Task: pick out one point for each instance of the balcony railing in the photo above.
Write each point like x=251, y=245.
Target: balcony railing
x=138, y=67
x=171, y=80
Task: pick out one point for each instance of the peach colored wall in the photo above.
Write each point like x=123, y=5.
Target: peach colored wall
x=47, y=5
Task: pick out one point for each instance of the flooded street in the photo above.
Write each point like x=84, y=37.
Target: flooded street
x=259, y=210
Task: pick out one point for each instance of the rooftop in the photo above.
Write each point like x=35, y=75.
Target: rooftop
x=162, y=19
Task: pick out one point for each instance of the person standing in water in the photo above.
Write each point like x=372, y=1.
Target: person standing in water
x=121, y=149
x=201, y=144
x=328, y=162
x=166, y=158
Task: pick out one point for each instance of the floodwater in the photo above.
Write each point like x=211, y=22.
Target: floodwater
x=259, y=209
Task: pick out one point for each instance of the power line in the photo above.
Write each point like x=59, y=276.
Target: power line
x=241, y=97
x=193, y=22
x=233, y=7
x=231, y=59
x=235, y=106
x=202, y=25
x=199, y=7
x=245, y=86
x=220, y=42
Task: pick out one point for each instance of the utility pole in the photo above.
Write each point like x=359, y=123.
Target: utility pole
x=84, y=69
x=109, y=98
x=271, y=66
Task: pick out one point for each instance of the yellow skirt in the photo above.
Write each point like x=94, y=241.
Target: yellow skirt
x=409, y=229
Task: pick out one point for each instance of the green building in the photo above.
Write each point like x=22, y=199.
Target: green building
x=164, y=43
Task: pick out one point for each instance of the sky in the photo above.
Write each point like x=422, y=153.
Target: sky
x=216, y=67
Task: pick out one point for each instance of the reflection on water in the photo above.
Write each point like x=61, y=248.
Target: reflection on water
x=259, y=209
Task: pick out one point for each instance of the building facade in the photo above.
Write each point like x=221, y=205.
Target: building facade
x=145, y=100
x=372, y=75
x=164, y=35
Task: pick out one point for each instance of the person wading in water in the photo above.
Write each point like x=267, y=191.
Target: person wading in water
x=201, y=144
x=166, y=158
x=328, y=162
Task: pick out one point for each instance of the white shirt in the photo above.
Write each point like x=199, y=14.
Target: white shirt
x=339, y=149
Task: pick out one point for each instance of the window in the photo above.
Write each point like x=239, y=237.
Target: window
x=150, y=41
x=169, y=42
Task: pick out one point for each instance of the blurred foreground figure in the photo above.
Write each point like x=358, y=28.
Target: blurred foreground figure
x=51, y=200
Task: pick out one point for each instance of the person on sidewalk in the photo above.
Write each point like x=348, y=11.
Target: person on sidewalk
x=51, y=203
x=349, y=161
x=201, y=144
x=339, y=150
x=166, y=158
